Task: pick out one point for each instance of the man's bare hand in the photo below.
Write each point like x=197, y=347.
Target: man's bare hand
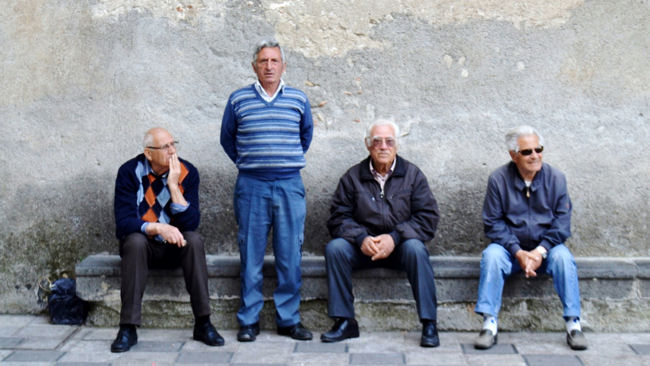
x=378, y=247
x=529, y=261
x=174, y=171
x=169, y=233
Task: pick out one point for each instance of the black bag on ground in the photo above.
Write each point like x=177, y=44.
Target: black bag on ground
x=64, y=305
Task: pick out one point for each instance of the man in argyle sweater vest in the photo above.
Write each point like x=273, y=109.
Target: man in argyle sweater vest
x=156, y=215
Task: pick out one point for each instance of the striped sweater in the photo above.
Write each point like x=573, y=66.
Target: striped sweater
x=267, y=139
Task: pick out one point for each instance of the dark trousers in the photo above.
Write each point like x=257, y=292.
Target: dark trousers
x=139, y=254
x=341, y=258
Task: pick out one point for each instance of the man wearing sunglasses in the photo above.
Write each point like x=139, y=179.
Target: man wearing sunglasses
x=527, y=218
x=382, y=212
x=156, y=217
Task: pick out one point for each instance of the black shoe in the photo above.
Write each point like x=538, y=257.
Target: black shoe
x=576, y=340
x=297, y=332
x=429, y=334
x=126, y=338
x=208, y=335
x=343, y=328
x=247, y=333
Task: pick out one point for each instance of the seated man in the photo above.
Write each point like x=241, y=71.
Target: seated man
x=156, y=215
x=382, y=213
x=527, y=217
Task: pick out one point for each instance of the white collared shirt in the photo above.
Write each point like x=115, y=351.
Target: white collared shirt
x=263, y=93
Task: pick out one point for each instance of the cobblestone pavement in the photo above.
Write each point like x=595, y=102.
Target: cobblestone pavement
x=31, y=340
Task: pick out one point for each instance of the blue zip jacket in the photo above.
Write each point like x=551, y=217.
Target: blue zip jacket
x=518, y=217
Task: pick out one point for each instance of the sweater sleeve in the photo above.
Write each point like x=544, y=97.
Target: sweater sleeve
x=229, y=132
x=125, y=202
x=306, y=127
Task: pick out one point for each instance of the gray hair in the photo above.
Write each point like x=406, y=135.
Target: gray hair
x=267, y=43
x=513, y=135
x=381, y=122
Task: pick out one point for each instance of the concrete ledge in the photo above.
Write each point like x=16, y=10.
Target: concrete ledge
x=612, y=289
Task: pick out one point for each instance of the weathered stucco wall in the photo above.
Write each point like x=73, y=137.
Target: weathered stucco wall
x=83, y=80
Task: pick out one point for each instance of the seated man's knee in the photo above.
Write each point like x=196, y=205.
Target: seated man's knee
x=134, y=243
x=494, y=254
x=337, y=247
x=414, y=247
x=560, y=254
x=194, y=240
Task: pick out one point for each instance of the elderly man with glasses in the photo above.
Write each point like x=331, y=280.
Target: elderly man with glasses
x=156, y=215
x=527, y=218
x=382, y=212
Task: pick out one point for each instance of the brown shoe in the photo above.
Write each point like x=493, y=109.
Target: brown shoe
x=576, y=340
x=485, y=340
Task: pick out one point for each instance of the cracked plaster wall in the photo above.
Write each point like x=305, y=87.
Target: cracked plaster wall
x=83, y=80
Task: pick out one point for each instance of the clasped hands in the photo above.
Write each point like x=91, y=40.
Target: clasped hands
x=378, y=247
x=529, y=261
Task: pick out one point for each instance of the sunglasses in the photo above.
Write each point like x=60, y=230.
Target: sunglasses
x=379, y=141
x=526, y=152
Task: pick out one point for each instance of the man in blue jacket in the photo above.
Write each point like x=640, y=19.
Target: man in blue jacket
x=156, y=215
x=527, y=217
x=266, y=130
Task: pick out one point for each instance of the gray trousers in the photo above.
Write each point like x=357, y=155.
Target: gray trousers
x=341, y=258
x=139, y=254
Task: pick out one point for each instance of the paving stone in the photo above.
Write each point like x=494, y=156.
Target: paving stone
x=155, y=346
x=204, y=357
x=320, y=347
x=497, y=349
x=10, y=342
x=319, y=359
x=33, y=356
x=17, y=320
x=41, y=343
x=552, y=360
x=434, y=358
x=83, y=364
x=46, y=330
x=377, y=359
x=641, y=349
x=495, y=360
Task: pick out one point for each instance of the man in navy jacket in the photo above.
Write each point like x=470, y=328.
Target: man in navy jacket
x=527, y=217
x=156, y=215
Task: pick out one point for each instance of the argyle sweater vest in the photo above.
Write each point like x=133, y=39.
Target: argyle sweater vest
x=153, y=196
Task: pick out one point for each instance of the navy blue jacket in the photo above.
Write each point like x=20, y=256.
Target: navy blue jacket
x=516, y=221
x=127, y=185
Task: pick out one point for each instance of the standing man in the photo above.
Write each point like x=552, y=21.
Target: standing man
x=266, y=131
x=156, y=215
x=527, y=217
x=382, y=213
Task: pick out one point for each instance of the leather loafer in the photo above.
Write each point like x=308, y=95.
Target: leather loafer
x=576, y=340
x=297, y=332
x=485, y=340
x=343, y=328
x=126, y=338
x=429, y=335
x=208, y=335
x=247, y=333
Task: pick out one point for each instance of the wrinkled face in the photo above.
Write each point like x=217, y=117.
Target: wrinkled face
x=528, y=165
x=269, y=66
x=160, y=151
x=382, y=145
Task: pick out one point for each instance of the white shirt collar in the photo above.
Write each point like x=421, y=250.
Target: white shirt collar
x=263, y=93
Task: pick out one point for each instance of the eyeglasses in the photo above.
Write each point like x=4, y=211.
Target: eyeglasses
x=165, y=147
x=379, y=141
x=526, y=152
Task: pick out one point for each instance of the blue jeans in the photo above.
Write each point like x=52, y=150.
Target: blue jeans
x=260, y=205
x=497, y=264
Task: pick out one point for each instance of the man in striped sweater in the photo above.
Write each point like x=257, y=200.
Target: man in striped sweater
x=266, y=130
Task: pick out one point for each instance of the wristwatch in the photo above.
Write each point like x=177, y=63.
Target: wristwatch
x=542, y=251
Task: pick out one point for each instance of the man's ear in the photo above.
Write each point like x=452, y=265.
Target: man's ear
x=512, y=155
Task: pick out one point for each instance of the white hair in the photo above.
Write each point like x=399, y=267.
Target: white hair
x=513, y=135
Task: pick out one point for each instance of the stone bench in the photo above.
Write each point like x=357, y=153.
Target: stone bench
x=613, y=291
